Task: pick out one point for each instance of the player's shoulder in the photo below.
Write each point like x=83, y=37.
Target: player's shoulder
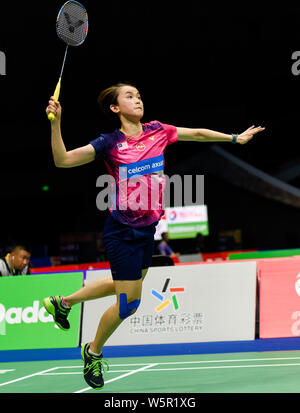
x=154, y=125
x=107, y=137
x=105, y=140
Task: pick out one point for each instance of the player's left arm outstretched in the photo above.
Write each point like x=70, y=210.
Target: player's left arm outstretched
x=207, y=135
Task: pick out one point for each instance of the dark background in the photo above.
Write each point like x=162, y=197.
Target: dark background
x=195, y=66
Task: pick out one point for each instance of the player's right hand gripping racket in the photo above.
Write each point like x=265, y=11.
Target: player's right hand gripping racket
x=72, y=28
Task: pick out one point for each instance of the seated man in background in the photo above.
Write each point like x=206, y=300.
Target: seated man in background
x=164, y=248
x=16, y=262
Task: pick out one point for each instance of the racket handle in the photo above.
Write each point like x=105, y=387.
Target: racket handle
x=51, y=116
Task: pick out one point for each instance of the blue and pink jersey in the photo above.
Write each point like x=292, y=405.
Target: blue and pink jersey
x=137, y=165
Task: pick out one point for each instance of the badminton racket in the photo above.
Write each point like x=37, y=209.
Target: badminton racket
x=72, y=28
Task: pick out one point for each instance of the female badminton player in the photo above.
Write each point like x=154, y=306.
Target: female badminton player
x=134, y=150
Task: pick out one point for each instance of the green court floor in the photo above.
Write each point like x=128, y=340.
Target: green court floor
x=261, y=372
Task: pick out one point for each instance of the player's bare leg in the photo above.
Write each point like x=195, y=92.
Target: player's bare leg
x=110, y=320
x=96, y=289
x=130, y=291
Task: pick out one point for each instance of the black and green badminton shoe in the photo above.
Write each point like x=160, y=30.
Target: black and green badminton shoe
x=92, y=370
x=53, y=306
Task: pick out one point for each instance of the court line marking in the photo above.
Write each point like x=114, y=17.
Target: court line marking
x=225, y=361
x=227, y=367
x=185, y=368
x=120, y=377
x=112, y=365
x=27, y=377
x=80, y=372
x=189, y=362
x=166, y=363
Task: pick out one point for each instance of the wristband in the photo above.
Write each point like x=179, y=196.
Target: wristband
x=234, y=138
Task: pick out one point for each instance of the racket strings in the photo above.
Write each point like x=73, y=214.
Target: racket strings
x=72, y=24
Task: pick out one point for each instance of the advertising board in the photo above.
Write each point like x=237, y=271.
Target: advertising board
x=279, y=304
x=24, y=323
x=206, y=302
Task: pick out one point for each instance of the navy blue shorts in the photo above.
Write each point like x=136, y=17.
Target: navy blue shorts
x=129, y=250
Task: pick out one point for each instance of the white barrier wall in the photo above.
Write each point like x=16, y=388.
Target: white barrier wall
x=184, y=304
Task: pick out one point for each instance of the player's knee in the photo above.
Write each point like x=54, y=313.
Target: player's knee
x=127, y=309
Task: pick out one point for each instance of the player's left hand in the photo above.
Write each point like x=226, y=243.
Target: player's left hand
x=248, y=134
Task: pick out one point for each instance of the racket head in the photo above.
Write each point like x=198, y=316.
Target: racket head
x=72, y=23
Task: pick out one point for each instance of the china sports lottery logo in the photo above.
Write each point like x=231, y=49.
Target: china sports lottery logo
x=166, y=301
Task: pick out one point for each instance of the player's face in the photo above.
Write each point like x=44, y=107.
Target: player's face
x=21, y=259
x=130, y=102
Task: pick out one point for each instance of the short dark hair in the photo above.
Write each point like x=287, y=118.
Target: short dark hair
x=20, y=247
x=109, y=96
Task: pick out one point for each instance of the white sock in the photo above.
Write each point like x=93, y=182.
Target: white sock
x=93, y=354
x=64, y=304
